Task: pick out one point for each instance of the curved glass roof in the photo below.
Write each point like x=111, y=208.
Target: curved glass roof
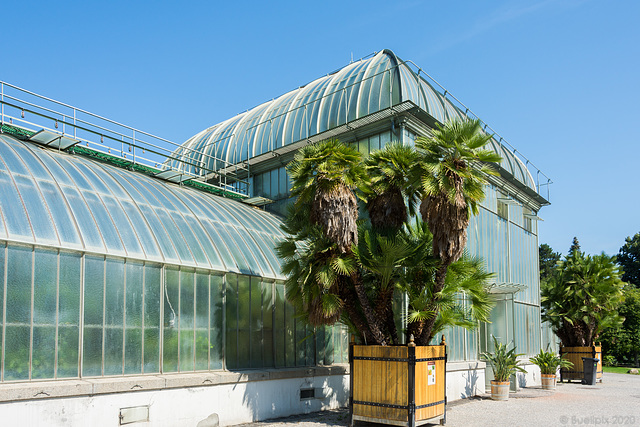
x=357, y=90
x=54, y=199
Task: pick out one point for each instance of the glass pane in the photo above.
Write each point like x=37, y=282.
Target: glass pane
x=105, y=224
x=114, y=314
x=192, y=241
x=290, y=339
x=134, y=294
x=113, y=350
x=152, y=286
x=231, y=316
x=267, y=323
x=279, y=326
x=256, y=323
x=62, y=218
x=43, y=228
x=92, y=351
x=142, y=230
x=170, y=346
x=45, y=287
x=19, y=286
x=202, y=321
x=186, y=320
x=168, y=251
x=244, y=318
x=133, y=316
x=93, y=315
x=13, y=209
x=84, y=219
x=93, y=290
x=133, y=350
x=43, y=359
x=69, y=298
x=216, y=322
x=16, y=347
x=68, y=358
x=2, y=252
x=128, y=235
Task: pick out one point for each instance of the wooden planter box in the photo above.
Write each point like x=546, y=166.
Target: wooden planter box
x=397, y=385
x=575, y=355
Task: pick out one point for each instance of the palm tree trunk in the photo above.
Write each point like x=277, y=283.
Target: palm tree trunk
x=347, y=294
x=369, y=313
x=427, y=330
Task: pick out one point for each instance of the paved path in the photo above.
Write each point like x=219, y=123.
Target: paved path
x=614, y=402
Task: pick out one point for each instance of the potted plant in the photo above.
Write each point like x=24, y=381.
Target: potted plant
x=579, y=301
x=505, y=364
x=356, y=241
x=549, y=362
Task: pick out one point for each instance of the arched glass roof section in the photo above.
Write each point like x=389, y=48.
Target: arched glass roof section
x=55, y=199
x=355, y=91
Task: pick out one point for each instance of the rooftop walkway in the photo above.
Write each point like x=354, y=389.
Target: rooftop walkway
x=615, y=401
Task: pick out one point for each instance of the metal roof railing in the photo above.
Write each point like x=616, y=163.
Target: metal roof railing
x=467, y=111
x=53, y=123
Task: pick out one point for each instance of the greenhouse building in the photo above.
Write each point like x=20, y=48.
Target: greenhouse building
x=138, y=277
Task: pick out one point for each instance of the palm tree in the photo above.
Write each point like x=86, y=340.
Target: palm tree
x=582, y=298
x=325, y=177
x=463, y=301
x=453, y=169
x=391, y=184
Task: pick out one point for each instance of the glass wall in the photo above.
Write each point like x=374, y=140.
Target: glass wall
x=70, y=314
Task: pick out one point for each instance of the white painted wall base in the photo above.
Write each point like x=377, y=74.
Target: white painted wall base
x=189, y=399
x=244, y=400
x=465, y=379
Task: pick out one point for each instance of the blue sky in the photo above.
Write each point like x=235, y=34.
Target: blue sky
x=557, y=78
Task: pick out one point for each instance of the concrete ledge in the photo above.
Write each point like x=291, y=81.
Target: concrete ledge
x=44, y=390
x=98, y=386
x=465, y=366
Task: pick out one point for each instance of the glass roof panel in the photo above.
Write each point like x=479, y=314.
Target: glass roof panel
x=62, y=218
x=124, y=227
x=86, y=205
x=162, y=236
x=105, y=224
x=84, y=219
x=146, y=236
x=41, y=222
x=13, y=210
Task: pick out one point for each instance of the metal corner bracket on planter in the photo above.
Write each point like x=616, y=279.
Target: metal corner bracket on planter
x=398, y=385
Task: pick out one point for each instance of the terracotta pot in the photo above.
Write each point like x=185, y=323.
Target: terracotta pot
x=548, y=381
x=500, y=390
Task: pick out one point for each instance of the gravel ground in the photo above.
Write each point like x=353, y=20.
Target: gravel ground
x=615, y=401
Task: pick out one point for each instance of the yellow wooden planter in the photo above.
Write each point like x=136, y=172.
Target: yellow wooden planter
x=397, y=385
x=575, y=355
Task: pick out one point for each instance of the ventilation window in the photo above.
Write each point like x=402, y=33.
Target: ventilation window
x=307, y=393
x=503, y=210
x=527, y=220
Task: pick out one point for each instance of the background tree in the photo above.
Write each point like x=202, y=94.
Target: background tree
x=452, y=169
x=629, y=259
x=624, y=343
x=575, y=246
x=548, y=260
x=582, y=298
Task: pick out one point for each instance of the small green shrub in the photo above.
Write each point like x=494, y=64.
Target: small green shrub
x=609, y=360
x=549, y=362
x=504, y=361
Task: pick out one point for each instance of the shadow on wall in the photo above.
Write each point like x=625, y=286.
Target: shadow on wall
x=521, y=379
x=471, y=383
x=264, y=400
